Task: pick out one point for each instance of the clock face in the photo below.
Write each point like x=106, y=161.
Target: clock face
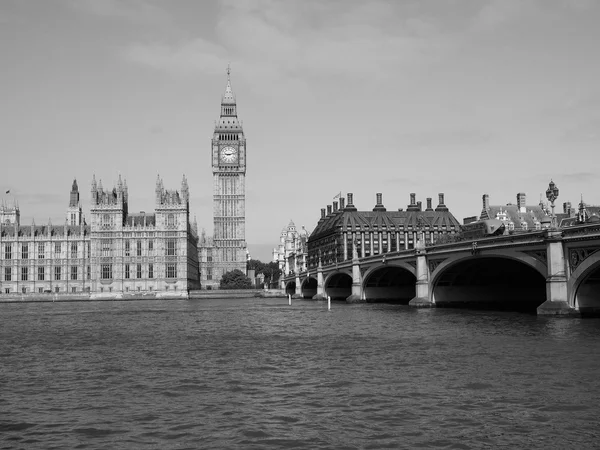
x=229, y=154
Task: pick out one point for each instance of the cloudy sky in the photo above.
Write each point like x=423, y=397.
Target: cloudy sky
x=464, y=97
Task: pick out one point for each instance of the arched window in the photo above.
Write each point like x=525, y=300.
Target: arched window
x=170, y=220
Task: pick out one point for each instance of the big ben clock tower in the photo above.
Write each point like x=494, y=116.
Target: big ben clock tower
x=229, y=185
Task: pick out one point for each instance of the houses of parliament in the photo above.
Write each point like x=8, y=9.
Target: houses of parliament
x=121, y=253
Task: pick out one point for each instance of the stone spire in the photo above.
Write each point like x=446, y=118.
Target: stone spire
x=74, y=198
x=185, y=190
x=228, y=97
x=158, y=190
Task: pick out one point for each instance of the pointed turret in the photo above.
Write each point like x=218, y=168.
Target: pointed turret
x=74, y=197
x=185, y=190
x=94, y=190
x=227, y=126
x=158, y=190
x=228, y=96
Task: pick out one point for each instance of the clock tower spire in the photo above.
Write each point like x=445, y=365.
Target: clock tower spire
x=229, y=185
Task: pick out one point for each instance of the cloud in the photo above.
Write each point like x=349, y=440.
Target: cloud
x=446, y=138
x=497, y=13
x=197, y=55
x=139, y=11
x=583, y=133
x=579, y=176
x=300, y=39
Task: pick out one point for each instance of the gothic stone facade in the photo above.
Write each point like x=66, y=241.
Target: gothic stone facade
x=226, y=249
x=292, y=253
x=117, y=252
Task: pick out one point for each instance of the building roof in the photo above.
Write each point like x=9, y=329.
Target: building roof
x=140, y=220
x=526, y=218
x=43, y=230
x=349, y=219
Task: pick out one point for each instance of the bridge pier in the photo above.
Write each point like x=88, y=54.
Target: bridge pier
x=320, y=287
x=423, y=293
x=557, y=294
x=298, y=285
x=357, y=293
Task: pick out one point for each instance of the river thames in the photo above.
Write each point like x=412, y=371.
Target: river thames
x=259, y=374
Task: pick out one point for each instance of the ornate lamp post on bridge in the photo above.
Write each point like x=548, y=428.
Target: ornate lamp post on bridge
x=551, y=195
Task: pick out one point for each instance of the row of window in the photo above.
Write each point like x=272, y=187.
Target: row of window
x=106, y=271
x=41, y=273
x=107, y=244
x=228, y=137
x=138, y=271
x=106, y=249
x=108, y=220
x=228, y=110
x=138, y=247
x=41, y=250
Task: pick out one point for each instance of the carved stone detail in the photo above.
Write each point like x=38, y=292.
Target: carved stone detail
x=578, y=255
x=434, y=263
x=540, y=255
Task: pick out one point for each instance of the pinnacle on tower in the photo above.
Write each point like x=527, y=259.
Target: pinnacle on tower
x=228, y=96
x=74, y=197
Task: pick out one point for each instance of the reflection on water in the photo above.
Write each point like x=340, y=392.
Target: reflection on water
x=257, y=373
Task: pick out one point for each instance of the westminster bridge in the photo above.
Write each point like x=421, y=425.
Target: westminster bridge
x=551, y=271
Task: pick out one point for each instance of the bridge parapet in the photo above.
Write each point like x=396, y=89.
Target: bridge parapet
x=581, y=232
x=565, y=258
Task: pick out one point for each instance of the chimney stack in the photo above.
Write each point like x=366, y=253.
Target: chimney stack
x=419, y=205
x=486, y=202
x=429, y=207
x=350, y=206
x=328, y=210
x=322, y=213
x=413, y=203
x=441, y=206
x=379, y=206
x=342, y=206
x=335, y=206
x=521, y=202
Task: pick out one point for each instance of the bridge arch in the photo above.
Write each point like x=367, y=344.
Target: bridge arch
x=390, y=283
x=290, y=288
x=309, y=287
x=507, y=281
x=338, y=285
x=584, y=286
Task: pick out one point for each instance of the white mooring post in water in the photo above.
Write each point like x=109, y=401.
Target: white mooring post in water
x=328, y=302
x=290, y=299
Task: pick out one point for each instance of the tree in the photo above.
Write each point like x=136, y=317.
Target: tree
x=270, y=270
x=236, y=279
x=256, y=265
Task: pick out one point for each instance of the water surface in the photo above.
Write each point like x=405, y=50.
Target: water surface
x=259, y=374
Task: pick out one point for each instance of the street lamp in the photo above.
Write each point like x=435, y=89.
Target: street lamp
x=551, y=195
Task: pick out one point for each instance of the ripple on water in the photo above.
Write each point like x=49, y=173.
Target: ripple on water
x=258, y=374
